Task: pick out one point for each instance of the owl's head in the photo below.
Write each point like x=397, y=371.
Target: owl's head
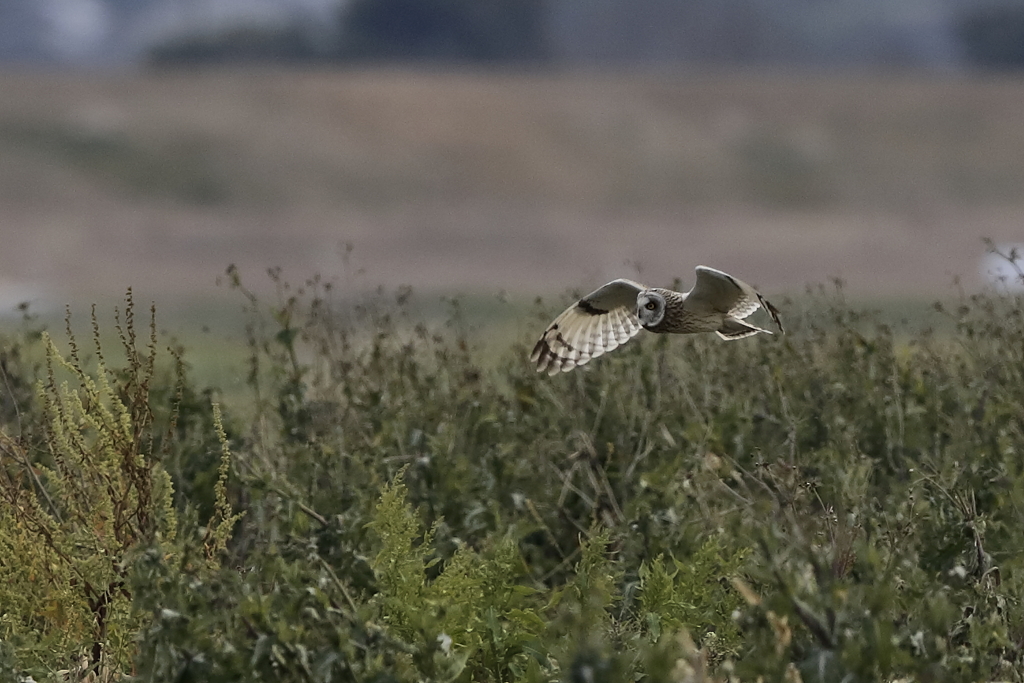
x=650, y=308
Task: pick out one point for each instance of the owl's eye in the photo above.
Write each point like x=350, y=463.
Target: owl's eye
x=650, y=306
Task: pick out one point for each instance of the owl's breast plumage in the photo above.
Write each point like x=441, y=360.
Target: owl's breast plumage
x=682, y=319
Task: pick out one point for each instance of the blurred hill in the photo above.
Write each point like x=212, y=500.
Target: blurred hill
x=481, y=181
x=927, y=34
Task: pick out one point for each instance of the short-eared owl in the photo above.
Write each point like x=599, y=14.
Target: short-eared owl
x=614, y=313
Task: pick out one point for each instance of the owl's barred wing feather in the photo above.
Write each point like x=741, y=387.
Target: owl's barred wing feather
x=596, y=324
x=723, y=293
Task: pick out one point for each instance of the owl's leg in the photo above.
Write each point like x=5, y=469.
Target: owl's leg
x=733, y=328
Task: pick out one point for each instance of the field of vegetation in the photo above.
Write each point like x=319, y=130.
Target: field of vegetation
x=474, y=181
x=841, y=503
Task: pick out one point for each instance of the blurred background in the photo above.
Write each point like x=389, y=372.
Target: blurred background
x=474, y=147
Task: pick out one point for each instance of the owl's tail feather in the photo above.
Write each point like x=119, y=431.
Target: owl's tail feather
x=733, y=328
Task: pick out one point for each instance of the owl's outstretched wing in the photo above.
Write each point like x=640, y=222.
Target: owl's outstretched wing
x=596, y=324
x=723, y=293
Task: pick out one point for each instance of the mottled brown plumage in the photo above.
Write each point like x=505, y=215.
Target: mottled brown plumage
x=613, y=314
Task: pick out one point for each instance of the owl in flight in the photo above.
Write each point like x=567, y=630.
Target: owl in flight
x=611, y=315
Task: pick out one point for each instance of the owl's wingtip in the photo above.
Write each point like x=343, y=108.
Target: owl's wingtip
x=549, y=362
x=774, y=313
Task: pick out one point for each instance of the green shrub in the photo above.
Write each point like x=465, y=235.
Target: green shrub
x=77, y=510
x=840, y=503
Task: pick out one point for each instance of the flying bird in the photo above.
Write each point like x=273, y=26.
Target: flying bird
x=613, y=314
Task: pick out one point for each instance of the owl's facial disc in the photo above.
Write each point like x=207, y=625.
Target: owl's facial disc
x=650, y=308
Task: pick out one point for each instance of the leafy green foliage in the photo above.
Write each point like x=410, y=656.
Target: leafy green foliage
x=472, y=618
x=841, y=503
x=695, y=595
x=77, y=509
x=73, y=514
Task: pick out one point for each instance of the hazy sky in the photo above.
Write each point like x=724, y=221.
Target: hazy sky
x=84, y=31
